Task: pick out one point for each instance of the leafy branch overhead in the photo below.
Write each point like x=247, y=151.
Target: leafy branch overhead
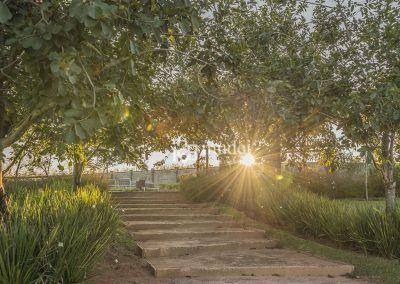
x=66, y=53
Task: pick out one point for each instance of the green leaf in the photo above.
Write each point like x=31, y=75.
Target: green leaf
x=5, y=14
x=80, y=132
x=70, y=137
x=106, y=30
x=54, y=67
x=73, y=112
x=72, y=79
x=91, y=124
x=47, y=36
x=32, y=41
x=89, y=23
x=133, y=68
x=75, y=69
x=55, y=29
x=69, y=26
x=133, y=47
x=95, y=12
x=110, y=86
x=102, y=117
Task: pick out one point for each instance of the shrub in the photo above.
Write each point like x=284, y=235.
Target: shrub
x=345, y=183
x=55, y=235
x=169, y=186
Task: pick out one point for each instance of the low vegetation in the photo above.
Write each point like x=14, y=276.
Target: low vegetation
x=55, y=235
x=346, y=183
x=61, y=181
x=387, y=270
x=365, y=226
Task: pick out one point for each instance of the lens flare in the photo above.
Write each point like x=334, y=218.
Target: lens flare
x=247, y=160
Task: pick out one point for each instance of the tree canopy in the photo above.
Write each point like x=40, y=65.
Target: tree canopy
x=289, y=79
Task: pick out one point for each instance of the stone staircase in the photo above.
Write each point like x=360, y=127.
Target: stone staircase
x=179, y=239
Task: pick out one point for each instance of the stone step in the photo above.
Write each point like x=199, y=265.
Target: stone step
x=188, y=247
x=177, y=197
x=146, y=194
x=149, y=201
x=168, y=210
x=163, y=205
x=174, y=234
x=148, y=225
x=277, y=262
x=173, y=217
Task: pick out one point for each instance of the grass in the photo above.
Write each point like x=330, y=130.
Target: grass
x=55, y=235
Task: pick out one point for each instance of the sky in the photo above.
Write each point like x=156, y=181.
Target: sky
x=171, y=159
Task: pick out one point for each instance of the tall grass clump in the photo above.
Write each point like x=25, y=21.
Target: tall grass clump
x=55, y=235
x=364, y=227
x=357, y=225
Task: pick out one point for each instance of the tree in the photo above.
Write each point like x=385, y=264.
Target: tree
x=253, y=72
x=78, y=60
x=362, y=55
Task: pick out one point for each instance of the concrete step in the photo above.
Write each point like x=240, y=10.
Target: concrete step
x=148, y=225
x=195, y=233
x=173, y=217
x=163, y=197
x=163, y=205
x=145, y=194
x=246, y=262
x=168, y=210
x=149, y=201
x=126, y=192
x=189, y=247
x=146, y=200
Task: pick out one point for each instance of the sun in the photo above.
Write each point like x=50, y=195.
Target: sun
x=247, y=160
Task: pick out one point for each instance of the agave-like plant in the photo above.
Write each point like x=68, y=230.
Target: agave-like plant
x=55, y=235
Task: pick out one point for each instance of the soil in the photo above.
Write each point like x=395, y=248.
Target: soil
x=121, y=265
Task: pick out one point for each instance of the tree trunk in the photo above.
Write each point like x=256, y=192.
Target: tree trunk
x=388, y=172
x=207, y=157
x=77, y=174
x=366, y=179
x=198, y=161
x=4, y=212
x=18, y=167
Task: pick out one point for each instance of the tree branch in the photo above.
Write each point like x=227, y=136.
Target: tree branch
x=18, y=156
x=24, y=125
x=376, y=164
